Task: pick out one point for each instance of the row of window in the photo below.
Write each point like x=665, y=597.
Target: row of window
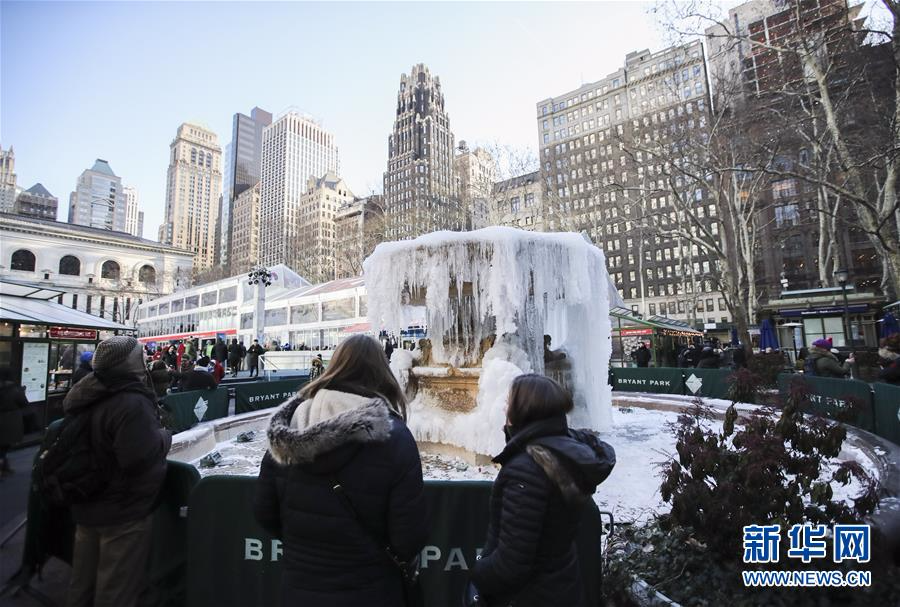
x=23, y=260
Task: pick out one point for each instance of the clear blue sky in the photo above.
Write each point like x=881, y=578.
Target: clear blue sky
x=114, y=80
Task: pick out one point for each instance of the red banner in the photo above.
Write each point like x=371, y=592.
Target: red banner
x=629, y=332
x=67, y=333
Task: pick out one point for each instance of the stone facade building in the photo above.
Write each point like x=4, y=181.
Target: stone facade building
x=294, y=148
x=98, y=200
x=37, y=202
x=597, y=181
x=245, y=230
x=193, y=187
x=518, y=202
x=243, y=164
x=314, y=238
x=419, y=187
x=475, y=172
x=8, y=187
x=102, y=272
x=358, y=228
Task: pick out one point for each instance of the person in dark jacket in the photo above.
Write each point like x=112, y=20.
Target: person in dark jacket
x=823, y=363
x=161, y=378
x=220, y=351
x=253, y=354
x=346, y=428
x=171, y=357
x=548, y=474
x=112, y=537
x=709, y=359
x=84, y=367
x=198, y=378
x=243, y=355
x=234, y=357
x=642, y=356
x=890, y=356
x=12, y=402
x=739, y=357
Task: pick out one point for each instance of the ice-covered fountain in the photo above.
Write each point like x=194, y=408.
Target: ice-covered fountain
x=497, y=303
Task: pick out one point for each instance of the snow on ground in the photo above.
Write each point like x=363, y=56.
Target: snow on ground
x=644, y=444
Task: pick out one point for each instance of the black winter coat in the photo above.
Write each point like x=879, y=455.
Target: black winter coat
x=891, y=372
x=220, y=351
x=127, y=437
x=530, y=557
x=197, y=380
x=359, y=442
x=81, y=372
x=642, y=357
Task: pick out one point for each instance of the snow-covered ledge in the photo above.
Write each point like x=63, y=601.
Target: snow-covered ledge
x=192, y=444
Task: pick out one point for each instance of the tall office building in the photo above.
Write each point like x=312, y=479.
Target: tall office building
x=596, y=179
x=134, y=217
x=294, y=148
x=193, y=186
x=314, y=238
x=243, y=162
x=245, y=230
x=474, y=171
x=7, y=180
x=98, y=200
x=419, y=188
x=358, y=229
x=36, y=202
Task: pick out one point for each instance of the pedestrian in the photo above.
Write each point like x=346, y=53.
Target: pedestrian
x=180, y=353
x=220, y=351
x=822, y=361
x=84, y=367
x=253, y=354
x=161, y=378
x=890, y=355
x=190, y=349
x=341, y=484
x=112, y=537
x=547, y=476
x=234, y=355
x=198, y=378
x=388, y=349
x=217, y=368
x=642, y=355
x=709, y=358
x=171, y=358
x=317, y=367
x=12, y=402
x=243, y=355
x=739, y=357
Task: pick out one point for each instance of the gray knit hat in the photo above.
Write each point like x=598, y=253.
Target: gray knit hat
x=118, y=355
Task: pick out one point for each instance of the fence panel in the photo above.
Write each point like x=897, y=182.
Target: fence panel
x=887, y=411
x=262, y=395
x=661, y=380
x=187, y=409
x=846, y=400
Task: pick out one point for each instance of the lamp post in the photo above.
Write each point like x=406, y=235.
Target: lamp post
x=260, y=277
x=842, y=276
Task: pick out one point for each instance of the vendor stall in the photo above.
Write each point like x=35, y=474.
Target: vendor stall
x=664, y=337
x=41, y=341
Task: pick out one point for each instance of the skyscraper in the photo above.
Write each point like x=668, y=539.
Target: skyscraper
x=36, y=202
x=419, y=187
x=294, y=148
x=474, y=171
x=194, y=183
x=245, y=230
x=243, y=162
x=134, y=217
x=98, y=200
x=7, y=180
x=315, y=237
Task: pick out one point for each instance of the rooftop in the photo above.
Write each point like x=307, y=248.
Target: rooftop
x=102, y=166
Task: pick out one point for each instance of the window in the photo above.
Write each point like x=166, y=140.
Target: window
x=787, y=214
x=147, y=275
x=22, y=260
x=69, y=265
x=652, y=309
x=110, y=270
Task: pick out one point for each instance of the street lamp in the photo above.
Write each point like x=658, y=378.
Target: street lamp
x=842, y=276
x=260, y=277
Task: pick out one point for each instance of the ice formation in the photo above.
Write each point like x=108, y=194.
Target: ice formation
x=487, y=298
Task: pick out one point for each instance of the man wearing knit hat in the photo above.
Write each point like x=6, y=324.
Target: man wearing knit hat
x=112, y=539
x=822, y=362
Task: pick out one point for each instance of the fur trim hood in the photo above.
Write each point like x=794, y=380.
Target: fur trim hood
x=366, y=420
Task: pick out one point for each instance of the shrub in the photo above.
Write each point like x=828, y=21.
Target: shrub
x=767, y=366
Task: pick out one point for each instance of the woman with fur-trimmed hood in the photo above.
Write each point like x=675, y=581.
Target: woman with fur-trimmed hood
x=548, y=475
x=346, y=428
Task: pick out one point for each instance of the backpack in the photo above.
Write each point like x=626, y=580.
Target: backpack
x=67, y=469
x=809, y=365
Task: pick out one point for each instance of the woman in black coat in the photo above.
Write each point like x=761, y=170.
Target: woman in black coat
x=548, y=474
x=346, y=428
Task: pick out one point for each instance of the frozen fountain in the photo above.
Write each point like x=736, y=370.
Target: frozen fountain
x=496, y=302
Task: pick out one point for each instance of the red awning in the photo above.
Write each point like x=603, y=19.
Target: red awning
x=360, y=327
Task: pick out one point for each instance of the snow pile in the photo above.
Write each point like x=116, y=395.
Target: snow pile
x=509, y=284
